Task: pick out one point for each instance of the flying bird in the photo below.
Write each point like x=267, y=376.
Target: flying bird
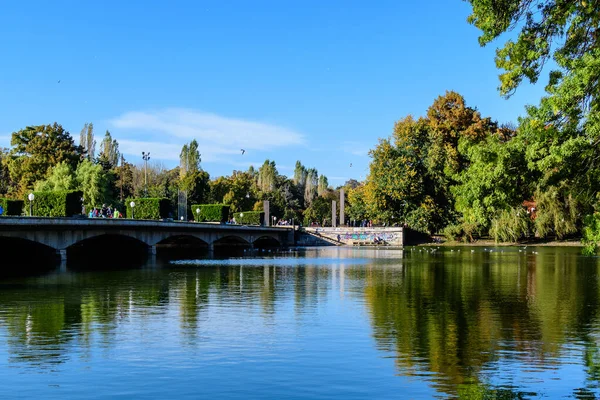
x=243, y=151
x=350, y=165
x=59, y=81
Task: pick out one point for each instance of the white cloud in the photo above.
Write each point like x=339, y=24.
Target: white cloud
x=165, y=131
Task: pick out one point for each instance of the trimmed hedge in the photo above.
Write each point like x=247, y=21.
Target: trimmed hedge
x=210, y=212
x=54, y=204
x=11, y=206
x=149, y=208
x=250, y=217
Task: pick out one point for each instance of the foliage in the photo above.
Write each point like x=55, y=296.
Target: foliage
x=492, y=183
x=11, y=206
x=148, y=208
x=61, y=178
x=95, y=183
x=267, y=176
x=109, y=151
x=310, y=186
x=591, y=233
x=36, y=149
x=210, y=212
x=235, y=190
x=189, y=159
x=196, y=184
x=323, y=185
x=557, y=212
x=250, y=217
x=87, y=141
x=510, y=225
x=319, y=211
x=55, y=204
x=357, y=209
x=563, y=30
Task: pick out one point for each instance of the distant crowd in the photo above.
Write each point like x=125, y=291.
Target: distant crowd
x=105, y=212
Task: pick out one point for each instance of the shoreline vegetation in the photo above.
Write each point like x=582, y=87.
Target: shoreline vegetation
x=492, y=243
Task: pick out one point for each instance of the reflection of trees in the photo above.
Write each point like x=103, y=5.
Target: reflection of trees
x=454, y=313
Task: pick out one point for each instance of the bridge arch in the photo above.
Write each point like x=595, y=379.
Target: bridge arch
x=108, y=247
x=266, y=241
x=23, y=248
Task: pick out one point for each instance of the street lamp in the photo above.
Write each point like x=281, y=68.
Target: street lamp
x=132, y=205
x=31, y=197
x=198, y=212
x=274, y=219
x=146, y=157
x=241, y=219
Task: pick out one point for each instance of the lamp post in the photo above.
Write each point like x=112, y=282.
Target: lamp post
x=132, y=205
x=274, y=219
x=198, y=213
x=146, y=157
x=241, y=218
x=31, y=197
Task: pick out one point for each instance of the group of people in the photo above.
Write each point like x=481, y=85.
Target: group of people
x=105, y=212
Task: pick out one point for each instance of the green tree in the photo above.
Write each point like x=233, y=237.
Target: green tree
x=5, y=181
x=36, y=149
x=95, y=183
x=267, y=176
x=109, y=151
x=87, y=141
x=189, y=159
x=495, y=181
x=197, y=187
x=310, y=187
x=323, y=185
x=61, y=178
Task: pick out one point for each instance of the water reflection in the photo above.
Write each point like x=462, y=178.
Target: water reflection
x=471, y=323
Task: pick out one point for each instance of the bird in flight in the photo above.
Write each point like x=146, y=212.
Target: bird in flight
x=350, y=165
x=243, y=151
x=59, y=81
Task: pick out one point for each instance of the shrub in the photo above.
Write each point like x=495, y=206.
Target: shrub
x=454, y=232
x=591, y=233
x=11, y=207
x=149, y=208
x=250, y=217
x=510, y=225
x=55, y=204
x=210, y=212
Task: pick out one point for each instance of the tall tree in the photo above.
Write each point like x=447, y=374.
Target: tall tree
x=562, y=133
x=323, y=185
x=267, y=176
x=95, y=183
x=109, y=151
x=36, y=149
x=5, y=181
x=189, y=159
x=310, y=188
x=87, y=141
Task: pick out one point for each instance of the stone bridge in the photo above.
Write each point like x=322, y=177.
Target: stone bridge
x=60, y=234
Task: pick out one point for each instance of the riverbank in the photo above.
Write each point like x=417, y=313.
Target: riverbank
x=491, y=243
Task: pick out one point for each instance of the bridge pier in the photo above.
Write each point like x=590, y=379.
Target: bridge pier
x=211, y=249
x=62, y=254
x=152, y=250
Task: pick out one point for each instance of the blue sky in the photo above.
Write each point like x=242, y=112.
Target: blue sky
x=316, y=81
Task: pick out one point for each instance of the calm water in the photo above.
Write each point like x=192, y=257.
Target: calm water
x=323, y=323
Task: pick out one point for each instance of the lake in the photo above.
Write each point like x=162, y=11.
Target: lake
x=323, y=323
